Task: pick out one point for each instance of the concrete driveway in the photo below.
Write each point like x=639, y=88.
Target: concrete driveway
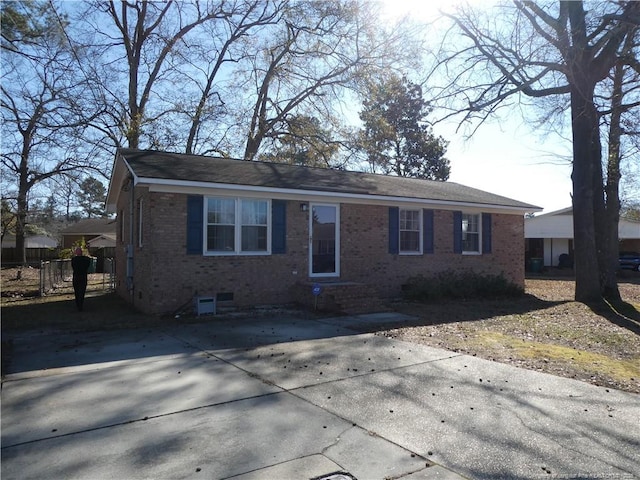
x=292, y=398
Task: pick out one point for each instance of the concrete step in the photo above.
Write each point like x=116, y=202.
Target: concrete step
x=345, y=297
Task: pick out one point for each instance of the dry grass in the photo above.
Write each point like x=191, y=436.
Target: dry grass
x=545, y=330
x=19, y=284
x=23, y=308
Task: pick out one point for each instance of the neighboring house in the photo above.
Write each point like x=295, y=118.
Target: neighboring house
x=263, y=233
x=34, y=241
x=38, y=247
x=89, y=229
x=106, y=240
x=100, y=236
x=550, y=235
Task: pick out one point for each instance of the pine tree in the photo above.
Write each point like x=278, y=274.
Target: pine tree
x=396, y=137
x=91, y=197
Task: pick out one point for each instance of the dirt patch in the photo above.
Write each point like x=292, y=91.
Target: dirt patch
x=545, y=330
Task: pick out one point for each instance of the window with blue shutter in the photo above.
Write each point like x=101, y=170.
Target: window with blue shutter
x=471, y=233
x=394, y=230
x=278, y=226
x=245, y=233
x=195, y=207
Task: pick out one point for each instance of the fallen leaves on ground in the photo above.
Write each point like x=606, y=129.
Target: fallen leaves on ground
x=545, y=330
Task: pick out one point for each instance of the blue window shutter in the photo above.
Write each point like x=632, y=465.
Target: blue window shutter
x=394, y=230
x=195, y=205
x=486, y=233
x=427, y=233
x=457, y=232
x=278, y=226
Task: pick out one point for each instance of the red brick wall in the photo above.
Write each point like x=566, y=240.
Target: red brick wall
x=165, y=277
x=365, y=256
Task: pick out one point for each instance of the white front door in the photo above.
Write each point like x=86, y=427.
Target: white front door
x=324, y=240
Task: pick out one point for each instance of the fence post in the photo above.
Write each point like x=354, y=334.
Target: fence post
x=107, y=270
x=41, y=289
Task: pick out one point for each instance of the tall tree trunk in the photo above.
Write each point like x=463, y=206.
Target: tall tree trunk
x=133, y=129
x=22, y=204
x=609, y=260
x=589, y=229
x=251, y=149
x=586, y=147
x=21, y=220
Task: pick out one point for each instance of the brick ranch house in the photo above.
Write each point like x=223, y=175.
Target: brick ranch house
x=255, y=233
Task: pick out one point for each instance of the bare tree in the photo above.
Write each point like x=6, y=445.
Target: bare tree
x=137, y=47
x=222, y=77
x=43, y=111
x=620, y=102
x=65, y=188
x=303, y=141
x=224, y=43
x=7, y=217
x=319, y=51
x=558, y=50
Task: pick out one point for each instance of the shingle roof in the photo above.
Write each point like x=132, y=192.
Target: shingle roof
x=91, y=226
x=35, y=241
x=174, y=167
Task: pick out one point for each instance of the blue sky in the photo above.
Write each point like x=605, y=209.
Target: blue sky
x=507, y=157
x=511, y=160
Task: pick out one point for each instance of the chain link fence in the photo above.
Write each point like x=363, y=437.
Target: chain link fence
x=109, y=274
x=55, y=274
x=58, y=275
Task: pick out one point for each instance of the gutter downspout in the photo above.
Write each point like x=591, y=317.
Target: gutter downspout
x=130, y=284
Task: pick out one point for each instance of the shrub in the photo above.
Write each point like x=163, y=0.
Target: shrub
x=67, y=253
x=459, y=285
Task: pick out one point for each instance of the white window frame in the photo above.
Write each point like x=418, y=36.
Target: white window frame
x=479, y=233
x=400, y=230
x=237, y=251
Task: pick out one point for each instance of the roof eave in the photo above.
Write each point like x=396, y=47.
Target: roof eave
x=183, y=186
x=121, y=169
x=562, y=211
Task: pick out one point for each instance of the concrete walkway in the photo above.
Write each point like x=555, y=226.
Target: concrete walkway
x=286, y=398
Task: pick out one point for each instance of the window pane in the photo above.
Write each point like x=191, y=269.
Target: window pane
x=410, y=230
x=220, y=238
x=254, y=239
x=409, y=241
x=221, y=211
x=470, y=232
x=254, y=212
x=470, y=223
x=231, y=233
x=409, y=220
x=471, y=242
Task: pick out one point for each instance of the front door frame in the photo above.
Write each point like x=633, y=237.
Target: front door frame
x=335, y=274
